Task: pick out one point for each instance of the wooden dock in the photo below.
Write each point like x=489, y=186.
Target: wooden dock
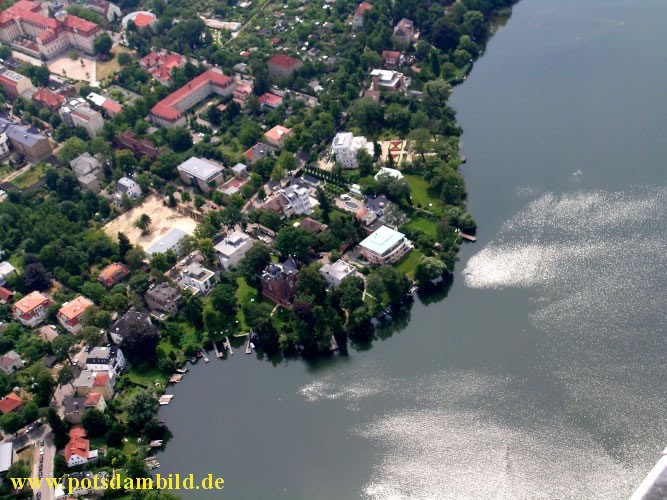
x=218, y=354
x=468, y=237
x=174, y=379
x=248, y=345
x=333, y=345
x=166, y=399
x=228, y=346
x=203, y=355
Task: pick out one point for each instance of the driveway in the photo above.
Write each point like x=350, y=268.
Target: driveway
x=49, y=454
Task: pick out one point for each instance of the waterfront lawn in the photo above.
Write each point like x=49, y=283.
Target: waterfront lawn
x=420, y=192
x=409, y=263
x=423, y=225
x=147, y=378
x=29, y=177
x=243, y=294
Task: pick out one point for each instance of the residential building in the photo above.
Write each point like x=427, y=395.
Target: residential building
x=76, y=406
x=232, y=249
x=24, y=27
x=404, y=31
x=312, y=226
x=10, y=362
x=392, y=59
x=358, y=18
x=240, y=171
x=290, y=201
x=70, y=314
x=271, y=101
x=345, y=146
x=391, y=172
x=34, y=147
x=386, y=79
x=372, y=215
x=169, y=112
x=313, y=182
x=95, y=382
x=4, y=145
x=6, y=270
x=78, y=113
x=385, y=246
x=7, y=456
x=15, y=84
x=170, y=241
x=258, y=152
x=279, y=282
x=143, y=20
x=283, y=65
x=109, y=107
x=11, y=402
x=201, y=173
x=5, y=295
x=48, y=333
x=163, y=297
x=107, y=359
x=160, y=65
x=32, y=309
x=128, y=322
x=140, y=147
x=277, y=135
x=112, y=274
x=88, y=171
x=335, y=273
x=126, y=186
x=77, y=450
x=242, y=93
x=197, y=278
x=111, y=12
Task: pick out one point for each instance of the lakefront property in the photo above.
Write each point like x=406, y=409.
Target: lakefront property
x=171, y=193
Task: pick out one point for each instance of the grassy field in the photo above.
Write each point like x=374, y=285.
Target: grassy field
x=419, y=191
x=147, y=378
x=104, y=69
x=424, y=225
x=5, y=170
x=409, y=263
x=29, y=177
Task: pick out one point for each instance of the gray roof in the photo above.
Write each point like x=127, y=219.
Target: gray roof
x=377, y=204
x=84, y=164
x=6, y=268
x=239, y=168
x=22, y=135
x=6, y=456
x=74, y=404
x=168, y=241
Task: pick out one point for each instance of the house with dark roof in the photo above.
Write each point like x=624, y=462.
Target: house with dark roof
x=283, y=65
x=34, y=147
x=312, y=226
x=163, y=298
x=128, y=321
x=257, y=152
x=140, y=147
x=76, y=406
x=10, y=362
x=278, y=282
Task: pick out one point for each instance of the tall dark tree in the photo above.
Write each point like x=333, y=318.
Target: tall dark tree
x=37, y=277
x=123, y=245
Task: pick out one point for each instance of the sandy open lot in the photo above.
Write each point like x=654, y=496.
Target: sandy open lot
x=73, y=68
x=163, y=220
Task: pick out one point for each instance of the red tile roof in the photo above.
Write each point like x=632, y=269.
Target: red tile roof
x=269, y=99
x=363, y=7
x=10, y=403
x=113, y=273
x=92, y=399
x=5, y=295
x=75, y=307
x=112, y=106
x=82, y=26
x=31, y=302
x=283, y=61
x=47, y=98
x=78, y=444
x=101, y=380
x=166, y=107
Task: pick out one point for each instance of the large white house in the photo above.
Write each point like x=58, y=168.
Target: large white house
x=232, y=249
x=345, y=146
x=335, y=273
x=385, y=246
x=105, y=359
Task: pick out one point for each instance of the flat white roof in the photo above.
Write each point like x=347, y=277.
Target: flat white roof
x=199, y=167
x=168, y=241
x=382, y=240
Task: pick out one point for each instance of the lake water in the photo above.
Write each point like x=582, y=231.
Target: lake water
x=541, y=375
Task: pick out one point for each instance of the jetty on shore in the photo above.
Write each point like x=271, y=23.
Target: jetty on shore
x=165, y=399
x=467, y=237
x=248, y=345
x=218, y=354
x=227, y=345
x=203, y=355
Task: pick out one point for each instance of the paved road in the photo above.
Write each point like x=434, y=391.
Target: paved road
x=47, y=471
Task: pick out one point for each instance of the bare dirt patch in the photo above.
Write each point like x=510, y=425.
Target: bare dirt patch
x=82, y=68
x=163, y=220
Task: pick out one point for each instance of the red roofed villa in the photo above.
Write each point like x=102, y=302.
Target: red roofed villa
x=277, y=135
x=32, y=309
x=48, y=99
x=5, y=295
x=71, y=313
x=358, y=18
x=77, y=451
x=270, y=100
x=170, y=111
x=160, y=65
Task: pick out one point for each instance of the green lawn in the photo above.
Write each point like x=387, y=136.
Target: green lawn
x=147, y=378
x=29, y=177
x=424, y=225
x=409, y=263
x=244, y=293
x=419, y=191
x=5, y=170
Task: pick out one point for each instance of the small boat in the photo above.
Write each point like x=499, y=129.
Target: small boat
x=163, y=421
x=182, y=371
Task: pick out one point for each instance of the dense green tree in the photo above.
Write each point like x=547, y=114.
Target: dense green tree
x=180, y=139
x=429, y=269
x=141, y=408
x=70, y=149
x=294, y=241
x=102, y=44
x=95, y=422
x=140, y=342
